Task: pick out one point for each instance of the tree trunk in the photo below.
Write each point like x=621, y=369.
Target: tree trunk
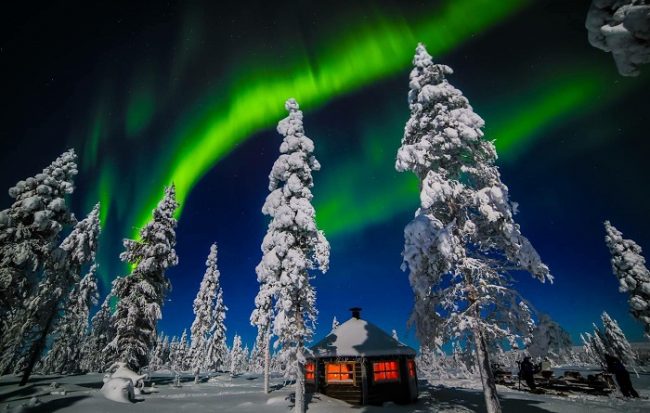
x=267, y=361
x=37, y=347
x=492, y=404
x=300, y=389
x=300, y=371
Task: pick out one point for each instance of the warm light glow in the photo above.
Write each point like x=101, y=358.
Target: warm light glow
x=310, y=371
x=385, y=371
x=339, y=372
x=411, y=366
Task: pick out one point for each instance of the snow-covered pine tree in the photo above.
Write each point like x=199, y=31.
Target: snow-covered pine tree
x=256, y=360
x=633, y=276
x=237, y=357
x=101, y=333
x=61, y=273
x=205, y=309
x=550, y=340
x=335, y=323
x=262, y=315
x=617, y=343
x=587, y=348
x=28, y=234
x=217, y=346
x=184, y=348
x=432, y=364
x=291, y=248
x=166, y=352
x=71, y=331
x=156, y=360
x=246, y=353
x=141, y=294
x=463, y=242
x=174, y=354
x=600, y=345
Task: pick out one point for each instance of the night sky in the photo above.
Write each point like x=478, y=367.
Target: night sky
x=153, y=92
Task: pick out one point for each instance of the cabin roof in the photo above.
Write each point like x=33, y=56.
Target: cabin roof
x=356, y=338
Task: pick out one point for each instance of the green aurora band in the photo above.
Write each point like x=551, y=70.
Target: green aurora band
x=345, y=199
x=364, y=189
x=255, y=102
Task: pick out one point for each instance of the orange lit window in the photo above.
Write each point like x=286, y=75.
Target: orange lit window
x=385, y=371
x=310, y=370
x=339, y=372
x=411, y=366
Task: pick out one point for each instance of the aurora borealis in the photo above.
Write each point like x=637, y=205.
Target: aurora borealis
x=190, y=93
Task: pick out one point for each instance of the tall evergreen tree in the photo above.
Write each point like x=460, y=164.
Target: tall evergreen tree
x=237, y=356
x=633, y=276
x=256, y=360
x=217, y=346
x=617, y=343
x=96, y=355
x=463, y=242
x=262, y=316
x=156, y=359
x=29, y=230
x=71, y=332
x=141, y=293
x=205, y=311
x=62, y=272
x=292, y=247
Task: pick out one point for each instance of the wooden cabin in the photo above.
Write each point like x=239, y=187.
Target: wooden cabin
x=361, y=364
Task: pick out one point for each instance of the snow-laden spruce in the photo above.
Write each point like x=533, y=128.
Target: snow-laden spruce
x=156, y=360
x=141, y=294
x=617, y=343
x=102, y=332
x=29, y=232
x=262, y=318
x=208, y=325
x=237, y=357
x=217, y=346
x=291, y=248
x=178, y=356
x=633, y=276
x=550, y=340
x=609, y=340
x=71, y=332
x=62, y=272
x=463, y=242
x=623, y=28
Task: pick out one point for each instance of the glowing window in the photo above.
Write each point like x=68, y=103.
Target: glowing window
x=385, y=371
x=310, y=371
x=339, y=372
x=411, y=367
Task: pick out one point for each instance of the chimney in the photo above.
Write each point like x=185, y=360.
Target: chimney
x=356, y=312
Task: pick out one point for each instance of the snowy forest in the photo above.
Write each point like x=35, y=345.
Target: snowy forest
x=480, y=333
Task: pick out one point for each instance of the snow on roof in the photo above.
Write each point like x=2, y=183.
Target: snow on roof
x=356, y=338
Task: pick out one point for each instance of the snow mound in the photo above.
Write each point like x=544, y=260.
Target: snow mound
x=119, y=390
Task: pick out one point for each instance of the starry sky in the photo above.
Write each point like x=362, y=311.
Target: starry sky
x=150, y=93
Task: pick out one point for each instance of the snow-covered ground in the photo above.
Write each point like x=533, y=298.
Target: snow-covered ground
x=243, y=394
